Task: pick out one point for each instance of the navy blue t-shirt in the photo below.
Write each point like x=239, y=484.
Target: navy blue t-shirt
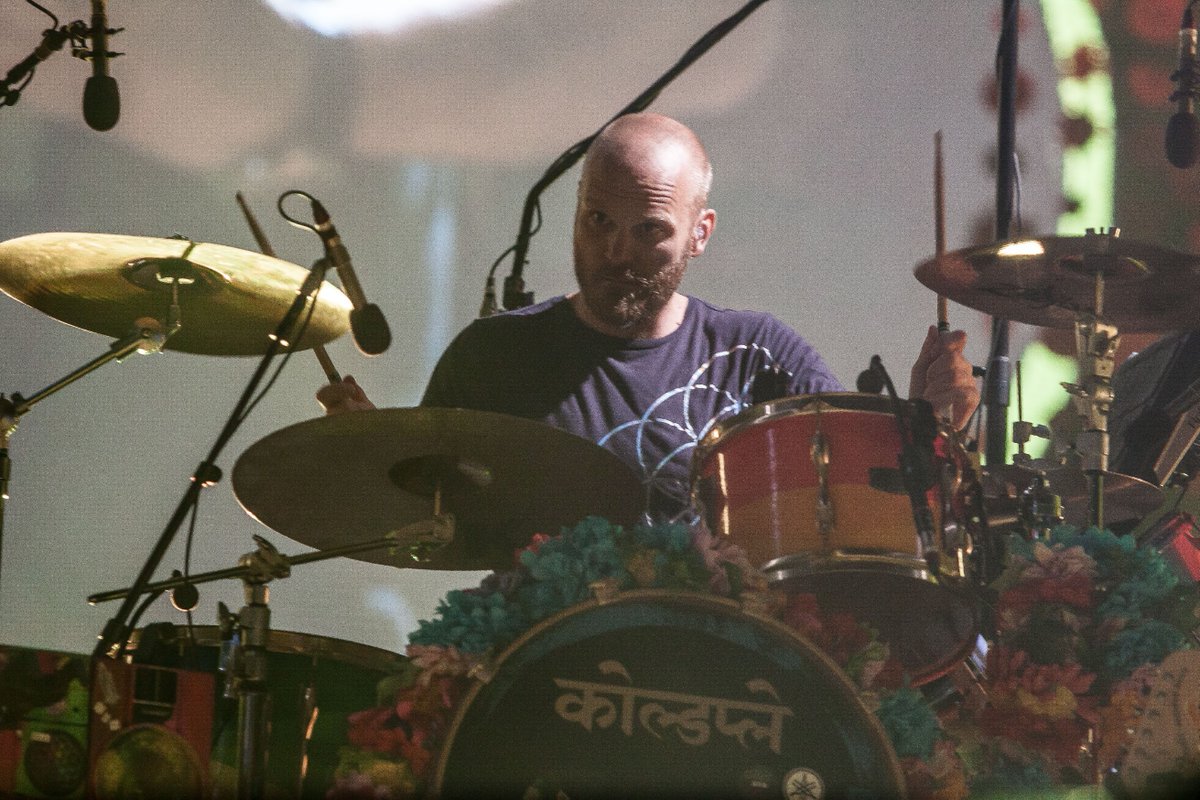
x=649, y=400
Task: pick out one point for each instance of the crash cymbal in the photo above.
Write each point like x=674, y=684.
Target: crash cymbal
x=1050, y=281
x=356, y=476
x=230, y=300
x=1126, y=498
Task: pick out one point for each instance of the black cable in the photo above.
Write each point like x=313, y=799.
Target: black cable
x=287, y=354
x=46, y=11
x=514, y=294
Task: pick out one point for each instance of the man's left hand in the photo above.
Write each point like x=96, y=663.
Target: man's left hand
x=943, y=376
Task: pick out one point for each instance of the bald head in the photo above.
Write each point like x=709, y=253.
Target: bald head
x=637, y=142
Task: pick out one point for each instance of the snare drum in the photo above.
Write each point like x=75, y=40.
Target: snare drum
x=655, y=694
x=811, y=489
x=314, y=683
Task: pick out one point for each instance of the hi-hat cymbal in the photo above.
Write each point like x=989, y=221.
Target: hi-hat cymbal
x=230, y=300
x=1051, y=281
x=1126, y=498
x=356, y=476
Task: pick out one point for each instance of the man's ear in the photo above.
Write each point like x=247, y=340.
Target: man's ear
x=703, y=231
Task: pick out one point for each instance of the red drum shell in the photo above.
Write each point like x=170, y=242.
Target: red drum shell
x=756, y=482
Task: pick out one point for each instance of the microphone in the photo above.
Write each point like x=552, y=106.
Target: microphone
x=1182, y=140
x=370, y=329
x=101, y=99
x=869, y=381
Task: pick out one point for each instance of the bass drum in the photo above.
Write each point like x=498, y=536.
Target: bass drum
x=654, y=694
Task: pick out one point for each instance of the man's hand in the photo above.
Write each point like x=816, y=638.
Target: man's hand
x=943, y=376
x=338, y=398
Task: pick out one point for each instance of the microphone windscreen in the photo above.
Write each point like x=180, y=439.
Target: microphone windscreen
x=869, y=382
x=101, y=102
x=370, y=329
x=1183, y=139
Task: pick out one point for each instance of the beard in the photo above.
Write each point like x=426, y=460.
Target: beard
x=627, y=301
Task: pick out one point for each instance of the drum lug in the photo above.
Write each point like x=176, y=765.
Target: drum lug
x=757, y=603
x=605, y=590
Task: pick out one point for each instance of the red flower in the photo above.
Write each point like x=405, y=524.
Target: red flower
x=1060, y=739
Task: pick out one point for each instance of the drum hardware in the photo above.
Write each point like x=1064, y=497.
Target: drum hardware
x=338, y=478
x=819, y=452
x=116, y=631
x=246, y=661
x=1097, y=284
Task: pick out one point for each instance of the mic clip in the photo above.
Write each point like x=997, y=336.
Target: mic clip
x=86, y=53
x=515, y=295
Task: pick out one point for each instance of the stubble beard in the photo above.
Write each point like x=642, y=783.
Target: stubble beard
x=632, y=310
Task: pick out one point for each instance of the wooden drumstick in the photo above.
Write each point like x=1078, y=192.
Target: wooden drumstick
x=939, y=225
x=265, y=246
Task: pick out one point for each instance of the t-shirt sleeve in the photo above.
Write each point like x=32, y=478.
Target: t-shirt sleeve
x=809, y=372
x=456, y=373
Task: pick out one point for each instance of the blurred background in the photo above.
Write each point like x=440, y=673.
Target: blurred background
x=421, y=126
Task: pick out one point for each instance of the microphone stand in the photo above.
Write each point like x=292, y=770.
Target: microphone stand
x=515, y=295
x=116, y=631
x=53, y=40
x=914, y=465
x=999, y=368
x=147, y=337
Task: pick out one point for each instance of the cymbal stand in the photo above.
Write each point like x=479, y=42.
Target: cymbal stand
x=1095, y=347
x=248, y=659
x=116, y=630
x=148, y=336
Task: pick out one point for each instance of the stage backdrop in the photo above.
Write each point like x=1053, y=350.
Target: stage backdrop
x=422, y=142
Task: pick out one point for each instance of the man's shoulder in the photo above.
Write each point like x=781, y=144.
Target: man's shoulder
x=547, y=312
x=742, y=321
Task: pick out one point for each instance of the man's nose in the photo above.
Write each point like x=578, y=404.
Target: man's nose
x=618, y=246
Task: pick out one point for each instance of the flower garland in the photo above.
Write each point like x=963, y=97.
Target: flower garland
x=1079, y=618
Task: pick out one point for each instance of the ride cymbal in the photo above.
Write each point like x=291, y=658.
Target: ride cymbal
x=356, y=476
x=1051, y=281
x=230, y=300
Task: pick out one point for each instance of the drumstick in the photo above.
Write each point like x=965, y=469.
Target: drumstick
x=326, y=363
x=939, y=225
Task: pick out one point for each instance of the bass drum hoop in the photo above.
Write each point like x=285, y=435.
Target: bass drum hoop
x=686, y=600
x=281, y=642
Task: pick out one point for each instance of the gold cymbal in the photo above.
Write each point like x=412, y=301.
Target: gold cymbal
x=1051, y=281
x=230, y=300
x=354, y=477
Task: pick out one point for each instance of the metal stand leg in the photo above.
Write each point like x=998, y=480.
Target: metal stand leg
x=253, y=697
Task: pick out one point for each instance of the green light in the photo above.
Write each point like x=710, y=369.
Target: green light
x=1087, y=178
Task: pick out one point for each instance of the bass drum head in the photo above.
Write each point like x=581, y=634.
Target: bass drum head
x=657, y=694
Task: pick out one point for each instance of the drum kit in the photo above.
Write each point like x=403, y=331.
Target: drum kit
x=810, y=487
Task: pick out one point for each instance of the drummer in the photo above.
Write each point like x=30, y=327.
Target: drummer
x=628, y=361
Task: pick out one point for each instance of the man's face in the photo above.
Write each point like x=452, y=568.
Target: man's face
x=634, y=234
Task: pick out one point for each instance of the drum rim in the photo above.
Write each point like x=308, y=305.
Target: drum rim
x=835, y=403
x=482, y=679
x=297, y=643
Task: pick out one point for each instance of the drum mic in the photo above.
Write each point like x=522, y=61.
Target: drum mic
x=1182, y=140
x=367, y=323
x=101, y=99
x=869, y=381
